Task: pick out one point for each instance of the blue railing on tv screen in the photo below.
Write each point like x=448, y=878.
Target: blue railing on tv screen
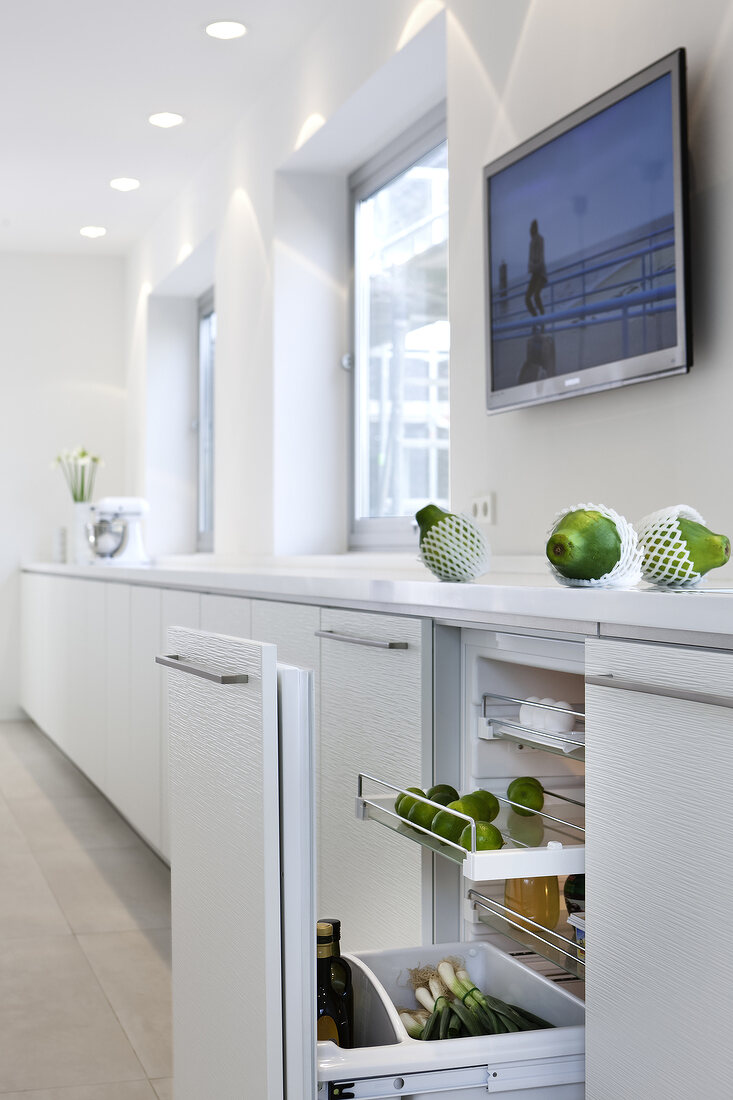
x=649, y=301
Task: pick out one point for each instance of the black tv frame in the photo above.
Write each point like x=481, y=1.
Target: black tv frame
x=623, y=372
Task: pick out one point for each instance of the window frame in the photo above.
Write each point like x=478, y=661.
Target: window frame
x=430, y=131
x=204, y=536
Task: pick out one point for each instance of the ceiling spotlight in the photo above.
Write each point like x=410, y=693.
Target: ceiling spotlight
x=124, y=184
x=92, y=231
x=226, y=29
x=165, y=119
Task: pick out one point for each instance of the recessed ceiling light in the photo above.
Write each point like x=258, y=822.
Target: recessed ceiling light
x=165, y=119
x=125, y=183
x=226, y=29
x=92, y=231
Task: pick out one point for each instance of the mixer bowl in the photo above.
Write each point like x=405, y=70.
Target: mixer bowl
x=106, y=536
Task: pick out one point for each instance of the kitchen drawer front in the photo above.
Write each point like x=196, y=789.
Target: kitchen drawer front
x=658, y=840
x=373, y=718
x=703, y=674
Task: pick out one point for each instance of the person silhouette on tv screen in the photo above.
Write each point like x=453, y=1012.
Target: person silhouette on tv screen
x=537, y=271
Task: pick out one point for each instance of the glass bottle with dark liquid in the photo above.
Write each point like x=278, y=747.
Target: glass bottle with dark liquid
x=341, y=974
x=332, y=1020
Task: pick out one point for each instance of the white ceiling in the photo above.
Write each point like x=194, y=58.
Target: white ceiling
x=78, y=79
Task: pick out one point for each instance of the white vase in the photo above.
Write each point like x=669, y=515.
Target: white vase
x=81, y=551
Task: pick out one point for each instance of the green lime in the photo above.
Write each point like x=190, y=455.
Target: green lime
x=422, y=814
x=527, y=794
x=403, y=802
x=488, y=837
x=486, y=803
x=448, y=825
x=443, y=793
x=526, y=779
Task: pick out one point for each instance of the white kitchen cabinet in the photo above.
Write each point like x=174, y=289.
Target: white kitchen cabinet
x=142, y=787
x=659, y=760
x=84, y=671
x=230, y=615
x=34, y=643
x=374, y=718
x=177, y=608
x=122, y=771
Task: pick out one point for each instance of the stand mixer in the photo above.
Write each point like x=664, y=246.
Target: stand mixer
x=115, y=533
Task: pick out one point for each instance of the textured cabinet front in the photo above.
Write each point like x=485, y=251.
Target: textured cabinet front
x=177, y=608
x=660, y=891
x=226, y=615
x=85, y=668
x=371, y=721
x=225, y=872
x=35, y=657
x=123, y=771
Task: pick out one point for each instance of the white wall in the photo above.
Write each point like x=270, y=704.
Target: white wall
x=266, y=499
x=515, y=66
x=62, y=324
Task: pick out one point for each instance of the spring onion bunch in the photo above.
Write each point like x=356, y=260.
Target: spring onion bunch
x=453, y=1006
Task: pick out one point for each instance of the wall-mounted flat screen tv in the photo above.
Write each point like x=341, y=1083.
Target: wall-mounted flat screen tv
x=586, y=247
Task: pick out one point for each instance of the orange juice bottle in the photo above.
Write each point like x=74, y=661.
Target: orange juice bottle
x=535, y=898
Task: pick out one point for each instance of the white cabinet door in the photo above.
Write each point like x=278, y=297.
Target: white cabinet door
x=34, y=653
x=227, y=1008
x=177, y=608
x=291, y=627
x=226, y=615
x=659, y=834
x=142, y=792
x=373, y=719
x=84, y=663
x=122, y=770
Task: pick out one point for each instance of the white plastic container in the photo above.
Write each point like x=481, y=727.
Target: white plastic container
x=547, y=1064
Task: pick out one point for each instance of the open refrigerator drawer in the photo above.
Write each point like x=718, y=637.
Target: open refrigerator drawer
x=547, y=1064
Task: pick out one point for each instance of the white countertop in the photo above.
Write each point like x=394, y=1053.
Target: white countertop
x=515, y=587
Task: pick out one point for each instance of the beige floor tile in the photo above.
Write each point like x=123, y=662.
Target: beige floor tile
x=56, y=1025
x=86, y=821
x=128, y=1090
x=12, y=841
x=109, y=889
x=27, y=906
x=39, y=771
x=164, y=1089
x=134, y=970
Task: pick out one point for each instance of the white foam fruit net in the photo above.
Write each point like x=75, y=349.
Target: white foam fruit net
x=455, y=550
x=627, y=570
x=666, y=558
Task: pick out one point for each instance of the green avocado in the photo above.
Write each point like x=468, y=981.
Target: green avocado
x=584, y=545
x=706, y=549
x=428, y=516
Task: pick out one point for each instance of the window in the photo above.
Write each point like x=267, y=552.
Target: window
x=207, y=349
x=401, y=368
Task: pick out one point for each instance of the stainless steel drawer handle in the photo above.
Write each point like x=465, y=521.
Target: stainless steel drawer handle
x=608, y=680
x=172, y=660
x=359, y=641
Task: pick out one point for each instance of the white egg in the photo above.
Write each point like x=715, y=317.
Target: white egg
x=532, y=717
x=557, y=722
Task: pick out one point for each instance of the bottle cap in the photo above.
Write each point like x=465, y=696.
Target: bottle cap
x=324, y=932
x=335, y=925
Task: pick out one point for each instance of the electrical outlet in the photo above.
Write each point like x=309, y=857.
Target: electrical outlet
x=483, y=509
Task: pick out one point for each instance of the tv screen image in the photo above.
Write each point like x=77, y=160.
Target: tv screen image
x=585, y=256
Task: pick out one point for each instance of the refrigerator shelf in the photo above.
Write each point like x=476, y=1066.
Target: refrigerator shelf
x=508, y=727
x=540, y=845
x=557, y=945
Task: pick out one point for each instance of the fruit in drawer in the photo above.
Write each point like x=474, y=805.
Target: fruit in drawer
x=403, y=803
x=584, y=545
x=481, y=805
x=528, y=792
x=488, y=837
x=443, y=793
x=448, y=825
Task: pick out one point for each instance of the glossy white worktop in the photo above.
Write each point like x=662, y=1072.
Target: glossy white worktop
x=515, y=587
